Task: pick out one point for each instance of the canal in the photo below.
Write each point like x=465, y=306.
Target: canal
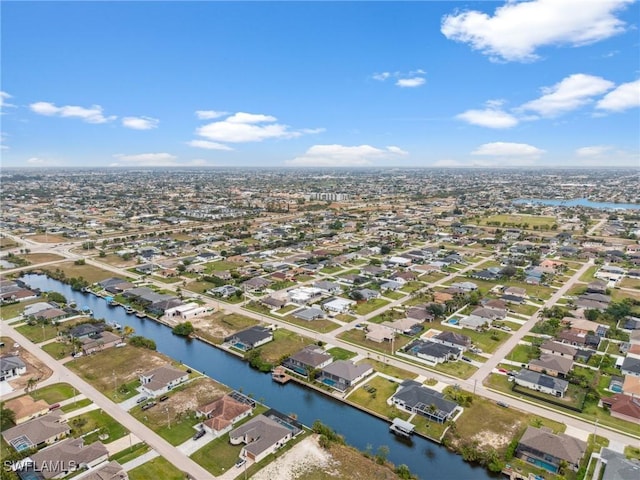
x=424, y=458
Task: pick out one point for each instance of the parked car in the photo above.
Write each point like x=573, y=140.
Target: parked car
x=54, y=406
x=142, y=399
x=164, y=398
x=240, y=462
x=199, y=434
x=466, y=359
x=147, y=406
x=503, y=404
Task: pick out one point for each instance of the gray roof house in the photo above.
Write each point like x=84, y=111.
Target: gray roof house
x=433, y=352
x=541, y=382
x=330, y=287
x=261, y=436
x=558, y=348
x=250, y=338
x=618, y=466
x=67, y=456
x=11, y=366
x=342, y=374
x=415, y=397
x=309, y=314
x=452, y=339
x=309, y=358
x=631, y=366
x=553, y=365
x=162, y=379
x=39, y=431
x=550, y=449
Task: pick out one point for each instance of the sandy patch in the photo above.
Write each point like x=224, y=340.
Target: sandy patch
x=488, y=438
x=305, y=456
x=35, y=368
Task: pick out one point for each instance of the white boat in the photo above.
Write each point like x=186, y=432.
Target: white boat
x=401, y=427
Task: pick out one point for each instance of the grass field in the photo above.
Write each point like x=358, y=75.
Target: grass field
x=90, y=273
x=97, y=420
x=630, y=283
x=58, y=350
x=54, y=393
x=382, y=367
x=532, y=220
x=15, y=309
x=321, y=325
x=217, y=456
x=358, y=337
x=340, y=353
x=488, y=341
x=35, y=258
x=588, y=275
x=285, y=343
x=36, y=333
x=363, y=308
x=155, y=469
x=221, y=265
x=433, y=430
x=76, y=405
x=129, y=454
x=393, y=295
x=377, y=400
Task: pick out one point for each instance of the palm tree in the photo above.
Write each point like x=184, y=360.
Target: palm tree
x=31, y=384
x=127, y=331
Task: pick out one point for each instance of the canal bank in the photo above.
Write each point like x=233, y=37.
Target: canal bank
x=361, y=430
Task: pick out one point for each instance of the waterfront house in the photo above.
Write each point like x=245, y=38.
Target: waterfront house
x=416, y=398
x=308, y=359
x=343, y=374
x=99, y=342
x=221, y=414
x=541, y=382
x=261, y=436
x=11, y=366
x=543, y=448
x=86, y=330
x=40, y=431
x=160, y=380
x=250, y=338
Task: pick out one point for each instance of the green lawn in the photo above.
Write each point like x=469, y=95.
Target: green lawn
x=217, y=456
x=97, y=419
x=321, y=325
x=285, y=343
x=58, y=350
x=340, y=353
x=287, y=309
x=383, y=367
x=36, y=333
x=130, y=453
x=532, y=220
x=358, y=337
x=587, y=276
x=377, y=400
x=433, y=430
x=393, y=295
x=412, y=286
x=458, y=369
x=363, y=308
x=488, y=341
x=15, y=309
x=155, y=469
x=523, y=353
x=54, y=393
x=331, y=270
x=221, y=265
x=76, y=405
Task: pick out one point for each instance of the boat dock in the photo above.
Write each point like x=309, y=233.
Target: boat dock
x=279, y=375
x=401, y=427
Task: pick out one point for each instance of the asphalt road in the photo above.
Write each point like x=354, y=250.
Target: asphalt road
x=63, y=374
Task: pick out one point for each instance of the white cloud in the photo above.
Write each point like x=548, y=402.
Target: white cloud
x=508, y=149
x=410, y=82
x=411, y=79
x=249, y=127
x=140, y=123
x=345, y=156
x=36, y=161
x=625, y=96
x=209, y=114
x=570, y=93
x=518, y=29
x=146, y=159
x=206, y=144
x=89, y=115
x=3, y=97
x=491, y=117
x=593, y=151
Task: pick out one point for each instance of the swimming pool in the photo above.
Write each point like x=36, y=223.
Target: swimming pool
x=453, y=321
x=542, y=464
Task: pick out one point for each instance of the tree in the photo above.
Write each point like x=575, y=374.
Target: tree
x=127, y=331
x=56, y=297
x=31, y=384
x=381, y=454
x=7, y=418
x=184, y=329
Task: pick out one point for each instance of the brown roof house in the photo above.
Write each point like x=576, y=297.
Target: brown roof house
x=109, y=471
x=222, y=414
x=26, y=408
x=624, y=407
x=552, y=365
x=162, y=379
x=102, y=341
x=541, y=447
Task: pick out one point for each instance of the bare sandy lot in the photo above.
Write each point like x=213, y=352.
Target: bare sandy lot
x=35, y=368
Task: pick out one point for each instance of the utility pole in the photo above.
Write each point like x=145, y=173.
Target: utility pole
x=168, y=418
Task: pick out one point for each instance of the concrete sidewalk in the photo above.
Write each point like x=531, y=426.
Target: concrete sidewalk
x=142, y=459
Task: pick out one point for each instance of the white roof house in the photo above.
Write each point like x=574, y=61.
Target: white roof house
x=339, y=305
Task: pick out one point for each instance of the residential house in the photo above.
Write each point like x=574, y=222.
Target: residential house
x=331, y=288
x=553, y=365
x=579, y=339
x=11, y=366
x=338, y=305
x=303, y=295
x=261, y=436
x=465, y=286
x=516, y=292
x=26, y=408
x=379, y=333
x=490, y=314
x=186, y=311
x=406, y=326
x=557, y=348
x=108, y=471
x=221, y=414
x=615, y=465
x=365, y=294
x=250, y=338
x=624, y=407
x=631, y=386
x=540, y=446
x=273, y=302
x=584, y=326
x=256, y=284
x=31, y=310
x=99, y=342
x=420, y=314
x=631, y=366
x=40, y=431
x=67, y=456
x=224, y=291
x=309, y=314
x=51, y=314
x=452, y=339
x=541, y=382
x=433, y=352
x=474, y=322
x=160, y=380
x=86, y=330
x=343, y=374
x=308, y=359
x=416, y=398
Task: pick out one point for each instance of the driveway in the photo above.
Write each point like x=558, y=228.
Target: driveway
x=129, y=403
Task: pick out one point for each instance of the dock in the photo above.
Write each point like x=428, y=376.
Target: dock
x=279, y=375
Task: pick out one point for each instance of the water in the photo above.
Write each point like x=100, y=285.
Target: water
x=580, y=202
x=424, y=458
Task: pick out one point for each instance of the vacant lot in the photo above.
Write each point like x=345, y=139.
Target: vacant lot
x=362, y=308
x=13, y=310
x=359, y=338
x=373, y=396
x=54, y=393
x=35, y=368
x=321, y=325
x=107, y=371
x=285, y=343
x=531, y=220
x=99, y=423
x=90, y=273
x=155, y=469
x=220, y=325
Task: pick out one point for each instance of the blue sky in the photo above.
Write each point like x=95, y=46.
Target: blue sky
x=407, y=84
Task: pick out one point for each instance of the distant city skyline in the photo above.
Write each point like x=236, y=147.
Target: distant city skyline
x=542, y=83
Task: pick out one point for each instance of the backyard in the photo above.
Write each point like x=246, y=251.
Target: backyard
x=373, y=396
x=155, y=469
